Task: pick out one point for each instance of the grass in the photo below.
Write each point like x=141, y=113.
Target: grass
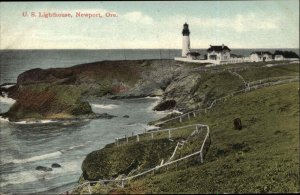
x=266, y=72
x=135, y=157
x=262, y=157
x=44, y=100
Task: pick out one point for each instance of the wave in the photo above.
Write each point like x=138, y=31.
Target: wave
x=76, y=146
x=35, y=158
x=151, y=127
x=6, y=100
x=154, y=97
x=7, y=86
x=105, y=106
x=31, y=176
x=34, y=122
x=169, y=112
x=21, y=177
x=3, y=119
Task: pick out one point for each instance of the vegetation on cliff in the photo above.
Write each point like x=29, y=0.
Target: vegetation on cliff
x=59, y=93
x=262, y=157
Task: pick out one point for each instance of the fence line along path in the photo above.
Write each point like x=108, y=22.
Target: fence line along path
x=249, y=86
x=121, y=181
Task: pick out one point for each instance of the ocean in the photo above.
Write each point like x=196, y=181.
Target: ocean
x=23, y=146
x=14, y=62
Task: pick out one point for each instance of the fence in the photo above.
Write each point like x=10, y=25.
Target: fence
x=271, y=79
x=217, y=70
x=148, y=135
x=250, y=86
x=122, y=181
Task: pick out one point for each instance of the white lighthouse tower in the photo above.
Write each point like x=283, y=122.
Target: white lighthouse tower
x=185, y=40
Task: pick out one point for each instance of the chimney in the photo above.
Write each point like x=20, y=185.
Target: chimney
x=222, y=46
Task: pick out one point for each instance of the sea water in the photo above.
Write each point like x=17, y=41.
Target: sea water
x=24, y=146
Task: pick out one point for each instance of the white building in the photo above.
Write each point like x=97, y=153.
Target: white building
x=218, y=53
x=185, y=40
x=278, y=58
x=260, y=56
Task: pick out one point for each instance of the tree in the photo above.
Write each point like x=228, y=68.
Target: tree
x=286, y=54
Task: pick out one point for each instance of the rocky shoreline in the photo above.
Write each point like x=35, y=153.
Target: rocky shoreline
x=60, y=93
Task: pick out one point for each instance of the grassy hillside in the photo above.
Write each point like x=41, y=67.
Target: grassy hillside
x=262, y=157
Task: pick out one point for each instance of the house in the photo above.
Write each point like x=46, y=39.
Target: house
x=260, y=56
x=192, y=55
x=278, y=57
x=218, y=53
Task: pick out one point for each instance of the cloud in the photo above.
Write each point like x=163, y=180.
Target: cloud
x=138, y=17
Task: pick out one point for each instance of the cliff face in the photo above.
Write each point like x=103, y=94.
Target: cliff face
x=60, y=92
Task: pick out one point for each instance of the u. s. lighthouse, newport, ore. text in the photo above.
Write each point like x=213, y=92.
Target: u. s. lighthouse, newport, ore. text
x=77, y=14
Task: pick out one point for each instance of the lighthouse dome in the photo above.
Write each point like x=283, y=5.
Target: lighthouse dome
x=185, y=31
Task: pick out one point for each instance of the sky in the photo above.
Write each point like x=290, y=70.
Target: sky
x=237, y=24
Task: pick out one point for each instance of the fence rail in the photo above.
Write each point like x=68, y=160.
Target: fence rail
x=250, y=86
x=123, y=180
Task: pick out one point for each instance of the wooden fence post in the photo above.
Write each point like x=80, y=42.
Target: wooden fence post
x=137, y=137
x=126, y=138
x=90, y=192
x=189, y=116
x=152, y=135
x=201, y=157
x=122, y=183
x=169, y=134
x=194, y=114
x=180, y=119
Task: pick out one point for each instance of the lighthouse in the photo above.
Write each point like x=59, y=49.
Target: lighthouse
x=185, y=40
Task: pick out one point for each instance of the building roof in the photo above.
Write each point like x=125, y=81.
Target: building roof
x=193, y=53
x=261, y=52
x=217, y=48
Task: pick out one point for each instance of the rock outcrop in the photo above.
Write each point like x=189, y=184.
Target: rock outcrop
x=43, y=168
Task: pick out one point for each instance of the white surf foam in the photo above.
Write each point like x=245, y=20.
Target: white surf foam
x=36, y=158
x=7, y=86
x=155, y=97
x=34, y=122
x=151, y=127
x=21, y=177
x=6, y=100
x=35, y=175
x=166, y=112
x=105, y=106
x=76, y=146
x=3, y=119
